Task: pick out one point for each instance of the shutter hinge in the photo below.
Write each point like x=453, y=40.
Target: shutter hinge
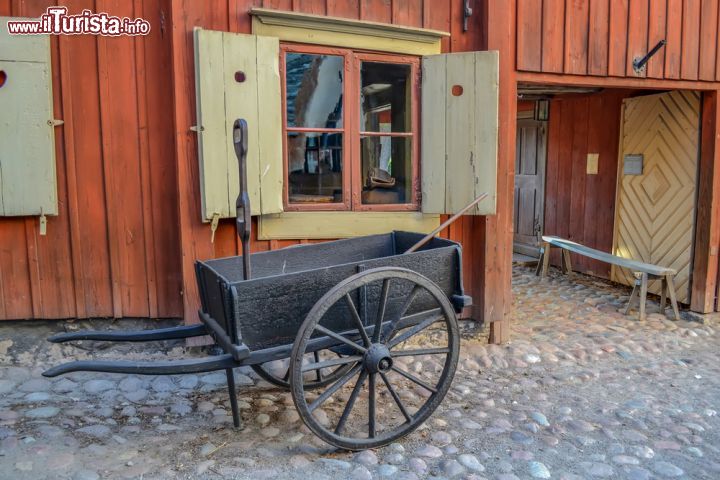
x=197, y=128
x=42, y=221
x=55, y=122
x=214, y=225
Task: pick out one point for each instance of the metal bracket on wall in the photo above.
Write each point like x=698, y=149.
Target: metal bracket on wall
x=640, y=62
x=467, y=13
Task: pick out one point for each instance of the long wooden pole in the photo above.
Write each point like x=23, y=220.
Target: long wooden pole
x=445, y=224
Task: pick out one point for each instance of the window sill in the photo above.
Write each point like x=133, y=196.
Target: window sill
x=333, y=225
x=343, y=32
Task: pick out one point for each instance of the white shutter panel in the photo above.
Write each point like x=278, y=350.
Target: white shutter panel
x=459, y=131
x=237, y=76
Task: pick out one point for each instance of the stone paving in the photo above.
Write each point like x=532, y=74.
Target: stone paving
x=581, y=392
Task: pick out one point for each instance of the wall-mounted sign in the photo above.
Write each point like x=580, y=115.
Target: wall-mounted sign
x=633, y=164
x=592, y=163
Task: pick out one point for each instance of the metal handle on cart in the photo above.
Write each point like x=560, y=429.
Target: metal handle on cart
x=243, y=221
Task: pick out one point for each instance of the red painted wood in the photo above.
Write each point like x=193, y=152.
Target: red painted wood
x=673, y=48
x=618, y=26
x=708, y=39
x=576, y=36
x=376, y=10
x=553, y=34
x=529, y=35
x=656, y=32
x=343, y=8
x=637, y=44
x=598, y=37
x=690, y=39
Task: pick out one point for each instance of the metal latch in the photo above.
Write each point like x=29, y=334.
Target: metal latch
x=214, y=225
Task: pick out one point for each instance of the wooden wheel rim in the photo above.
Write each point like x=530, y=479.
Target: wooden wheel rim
x=317, y=313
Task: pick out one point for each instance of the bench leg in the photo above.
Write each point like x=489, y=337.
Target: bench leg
x=632, y=296
x=546, y=259
x=663, y=294
x=643, y=294
x=538, y=268
x=567, y=262
x=673, y=298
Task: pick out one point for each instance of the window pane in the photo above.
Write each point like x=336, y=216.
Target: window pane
x=314, y=89
x=386, y=169
x=315, y=166
x=385, y=97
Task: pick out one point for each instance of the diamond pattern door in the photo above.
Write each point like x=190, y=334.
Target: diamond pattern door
x=655, y=211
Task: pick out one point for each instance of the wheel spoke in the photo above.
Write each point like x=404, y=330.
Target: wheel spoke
x=420, y=351
x=331, y=363
x=351, y=401
x=334, y=388
x=412, y=331
x=340, y=338
x=396, y=397
x=358, y=321
x=318, y=372
x=371, y=406
x=381, y=309
x=413, y=293
x=413, y=378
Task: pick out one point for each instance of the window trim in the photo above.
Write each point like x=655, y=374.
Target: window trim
x=352, y=177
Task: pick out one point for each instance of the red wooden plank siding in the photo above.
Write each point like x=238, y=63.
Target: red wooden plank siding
x=637, y=38
x=529, y=35
x=708, y=39
x=274, y=4
x=656, y=32
x=343, y=8
x=673, y=48
x=598, y=37
x=376, y=10
x=690, y=39
x=580, y=206
x=407, y=12
x=618, y=25
x=553, y=35
x=576, y=36
x=315, y=7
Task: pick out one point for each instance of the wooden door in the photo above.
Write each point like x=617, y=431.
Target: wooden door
x=657, y=178
x=529, y=186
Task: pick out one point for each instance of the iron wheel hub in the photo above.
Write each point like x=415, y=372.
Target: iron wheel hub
x=378, y=359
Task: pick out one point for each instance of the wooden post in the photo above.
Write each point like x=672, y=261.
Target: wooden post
x=707, y=226
x=497, y=258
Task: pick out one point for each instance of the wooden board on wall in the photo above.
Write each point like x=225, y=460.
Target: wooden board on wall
x=603, y=37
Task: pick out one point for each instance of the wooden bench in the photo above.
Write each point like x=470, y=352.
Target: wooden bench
x=641, y=271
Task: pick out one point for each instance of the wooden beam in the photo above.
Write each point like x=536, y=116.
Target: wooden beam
x=497, y=255
x=613, y=82
x=707, y=224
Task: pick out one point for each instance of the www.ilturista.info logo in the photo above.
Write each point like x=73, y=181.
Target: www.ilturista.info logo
x=56, y=21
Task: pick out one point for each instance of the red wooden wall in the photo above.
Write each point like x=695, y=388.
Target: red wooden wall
x=231, y=15
x=114, y=248
x=602, y=37
x=128, y=229
x=579, y=206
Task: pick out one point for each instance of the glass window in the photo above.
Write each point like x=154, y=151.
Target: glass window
x=314, y=86
x=336, y=164
x=385, y=108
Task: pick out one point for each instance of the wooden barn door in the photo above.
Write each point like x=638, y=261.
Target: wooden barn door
x=529, y=186
x=657, y=177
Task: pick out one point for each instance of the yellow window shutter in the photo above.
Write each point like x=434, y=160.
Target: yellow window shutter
x=237, y=76
x=459, y=137
x=28, y=184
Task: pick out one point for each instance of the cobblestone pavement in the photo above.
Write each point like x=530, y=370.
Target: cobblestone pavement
x=582, y=391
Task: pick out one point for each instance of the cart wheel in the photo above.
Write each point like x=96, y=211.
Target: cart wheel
x=314, y=379
x=403, y=350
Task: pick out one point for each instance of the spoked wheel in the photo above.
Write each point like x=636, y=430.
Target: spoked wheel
x=402, y=348
x=278, y=372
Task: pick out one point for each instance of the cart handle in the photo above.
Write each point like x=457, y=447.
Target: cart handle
x=445, y=224
x=243, y=220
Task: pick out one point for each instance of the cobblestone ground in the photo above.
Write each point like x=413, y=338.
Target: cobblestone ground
x=581, y=392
